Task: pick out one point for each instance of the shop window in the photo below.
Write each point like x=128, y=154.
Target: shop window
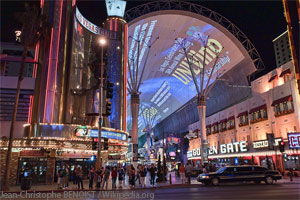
x=35, y=168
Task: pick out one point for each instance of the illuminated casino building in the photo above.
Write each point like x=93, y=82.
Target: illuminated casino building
x=61, y=126
x=239, y=133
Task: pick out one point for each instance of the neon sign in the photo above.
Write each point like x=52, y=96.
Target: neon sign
x=294, y=140
x=107, y=134
x=224, y=149
x=265, y=143
x=94, y=28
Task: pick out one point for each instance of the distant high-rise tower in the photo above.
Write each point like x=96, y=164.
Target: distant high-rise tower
x=282, y=49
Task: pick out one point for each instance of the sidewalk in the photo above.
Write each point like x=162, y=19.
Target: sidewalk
x=175, y=182
x=286, y=180
x=125, y=186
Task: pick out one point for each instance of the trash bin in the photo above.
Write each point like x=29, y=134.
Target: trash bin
x=26, y=183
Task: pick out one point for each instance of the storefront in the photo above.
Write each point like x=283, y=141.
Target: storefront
x=41, y=158
x=32, y=165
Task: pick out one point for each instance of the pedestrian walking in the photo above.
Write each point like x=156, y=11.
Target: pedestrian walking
x=91, y=177
x=74, y=176
x=132, y=176
x=106, y=175
x=60, y=178
x=114, y=175
x=79, y=174
x=182, y=173
x=138, y=171
x=152, y=174
x=188, y=170
x=143, y=173
x=67, y=176
x=99, y=177
x=291, y=174
x=121, y=174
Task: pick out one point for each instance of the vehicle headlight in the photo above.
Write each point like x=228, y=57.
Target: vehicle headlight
x=205, y=176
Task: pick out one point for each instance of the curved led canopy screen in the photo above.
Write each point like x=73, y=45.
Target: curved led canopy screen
x=167, y=81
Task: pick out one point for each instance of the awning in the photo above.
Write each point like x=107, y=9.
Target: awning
x=287, y=98
x=216, y=123
x=208, y=126
x=230, y=118
x=223, y=121
x=273, y=77
x=258, y=108
x=243, y=113
x=287, y=71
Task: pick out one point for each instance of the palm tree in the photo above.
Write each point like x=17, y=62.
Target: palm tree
x=34, y=26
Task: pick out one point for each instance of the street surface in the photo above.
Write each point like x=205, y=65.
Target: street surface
x=280, y=191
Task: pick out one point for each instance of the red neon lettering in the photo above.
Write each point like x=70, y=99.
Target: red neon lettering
x=292, y=141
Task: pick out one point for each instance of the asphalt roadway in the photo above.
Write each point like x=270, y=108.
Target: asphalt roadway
x=278, y=191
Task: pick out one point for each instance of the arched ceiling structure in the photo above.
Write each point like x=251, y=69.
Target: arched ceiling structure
x=167, y=84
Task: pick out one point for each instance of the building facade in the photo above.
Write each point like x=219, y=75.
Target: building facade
x=282, y=49
x=11, y=58
x=239, y=133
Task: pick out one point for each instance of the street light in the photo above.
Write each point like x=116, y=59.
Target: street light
x=102, y=42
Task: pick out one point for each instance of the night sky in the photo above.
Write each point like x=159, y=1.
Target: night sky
x=261, y=21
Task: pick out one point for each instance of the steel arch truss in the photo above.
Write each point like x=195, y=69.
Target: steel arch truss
x=201, y=10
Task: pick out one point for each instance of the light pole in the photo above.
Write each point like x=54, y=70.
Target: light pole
x=102, y=42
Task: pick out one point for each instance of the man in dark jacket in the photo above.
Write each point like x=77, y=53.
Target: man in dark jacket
x=152, y=174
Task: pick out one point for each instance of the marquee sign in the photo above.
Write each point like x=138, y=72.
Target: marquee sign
x=265, y=143
x=224, y=149
x=107, y=134
x=294, y=140
x=94, y=28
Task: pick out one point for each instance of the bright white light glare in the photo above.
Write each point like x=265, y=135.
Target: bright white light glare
x=102, y=41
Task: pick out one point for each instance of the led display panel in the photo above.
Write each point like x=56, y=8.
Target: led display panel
x=167, y=81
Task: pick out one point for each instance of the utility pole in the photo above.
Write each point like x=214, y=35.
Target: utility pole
x=99, y=160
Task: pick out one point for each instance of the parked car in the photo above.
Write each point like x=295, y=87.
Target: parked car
x=240, y=174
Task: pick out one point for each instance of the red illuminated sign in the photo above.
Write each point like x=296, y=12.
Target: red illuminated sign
x=294, y=140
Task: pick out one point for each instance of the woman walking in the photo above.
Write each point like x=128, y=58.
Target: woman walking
x=182, y=173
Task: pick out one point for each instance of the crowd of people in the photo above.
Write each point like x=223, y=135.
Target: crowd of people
x=136, y=176
x=100, y=177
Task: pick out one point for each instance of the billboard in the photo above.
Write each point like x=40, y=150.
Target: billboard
x=115, y=7
x=167, y=81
